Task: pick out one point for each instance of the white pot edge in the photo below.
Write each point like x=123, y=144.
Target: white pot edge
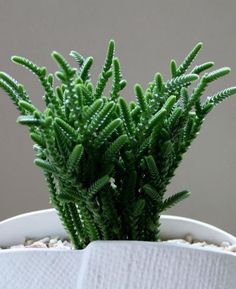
x=34, y=266
x=43, y=223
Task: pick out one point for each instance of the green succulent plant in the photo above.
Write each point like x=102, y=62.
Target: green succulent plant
x=108, y=162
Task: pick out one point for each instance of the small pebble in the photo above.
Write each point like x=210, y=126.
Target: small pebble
x=58, y=244
x=231, y=248
x=37, y=244
x=178, y=241
x=17, y=247
x=200, y=244
x=53, y=241
x=29, y=242
x=44, y=240
x=67, y=244
x=225, y=244
x=189, y=238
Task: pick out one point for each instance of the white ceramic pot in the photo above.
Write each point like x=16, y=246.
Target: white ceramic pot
x=115, y=264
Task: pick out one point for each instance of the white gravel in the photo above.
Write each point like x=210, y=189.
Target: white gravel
x=56, y=242
x=188, y=239
x=47, y=242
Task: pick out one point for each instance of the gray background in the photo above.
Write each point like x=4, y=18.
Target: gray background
x=148, y=34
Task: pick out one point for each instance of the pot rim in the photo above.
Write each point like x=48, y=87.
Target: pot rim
x=48, y=224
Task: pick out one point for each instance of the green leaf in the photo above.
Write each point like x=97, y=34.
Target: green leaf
x=9, y=81
x=200, y=68
x=214, y=75
x=39, y=71
x=135, y=114
x=117, y=78
x=109, y=57
x=153, y=170
x=63, y=64
x=132, y=105
x=69, y=196
x=166, y=147
x=63, y=141
x=173, y=68
x=159, y=83
x=79, y=99
x=46, y=166
x=184, y=96
x=77, y=57
x=188, y=59
x=177, y=82
x=152, y=193
x=174, y=199
x=84, y=73
x=12, y=94
x=125, y=115
x=207, y=108
x=100, y=118
x=97, y=186
x=67, y=128
x=140, y=96
x=107, y=131
x=168, y=105
x=189, y=127
x=158, y=118
x=66, y=198
x=175, y=117
x=138, y=208
x=115, y=147
x=38, y=139
x=93, y=109
x=29, y=120
x=74, y=158
x=28, y=106
x=222, y=95
x=123, y=84
x=197, y=93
